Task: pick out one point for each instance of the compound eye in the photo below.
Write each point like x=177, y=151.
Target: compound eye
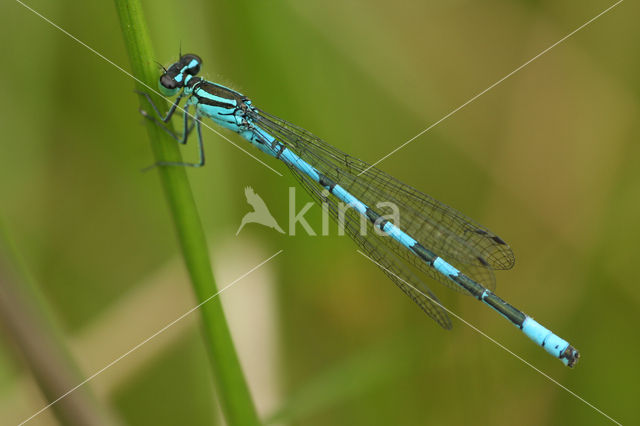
x=167, y=82
x=167, y=85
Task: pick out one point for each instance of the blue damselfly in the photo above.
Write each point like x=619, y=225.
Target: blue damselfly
x=433, y=238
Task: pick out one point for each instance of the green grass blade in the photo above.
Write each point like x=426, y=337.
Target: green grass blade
x=229, y=380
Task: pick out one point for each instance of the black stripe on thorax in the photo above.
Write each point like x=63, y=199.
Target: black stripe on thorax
x=218, y=91
x=206, y=101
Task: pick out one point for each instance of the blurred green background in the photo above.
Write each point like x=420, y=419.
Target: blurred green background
x=549, y=160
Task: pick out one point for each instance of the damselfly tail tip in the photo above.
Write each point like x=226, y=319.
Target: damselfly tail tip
x=570, y=356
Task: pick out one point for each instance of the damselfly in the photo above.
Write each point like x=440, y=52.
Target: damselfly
x=433, y=238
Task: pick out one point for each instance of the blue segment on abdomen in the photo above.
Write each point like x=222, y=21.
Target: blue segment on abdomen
x=545, y=338
x=342, y=194
x=399, y=235
x=444, y=267
x=349, y=199
x=290, y=157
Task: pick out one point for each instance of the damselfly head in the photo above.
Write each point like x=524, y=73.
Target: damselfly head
x=176, y=76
